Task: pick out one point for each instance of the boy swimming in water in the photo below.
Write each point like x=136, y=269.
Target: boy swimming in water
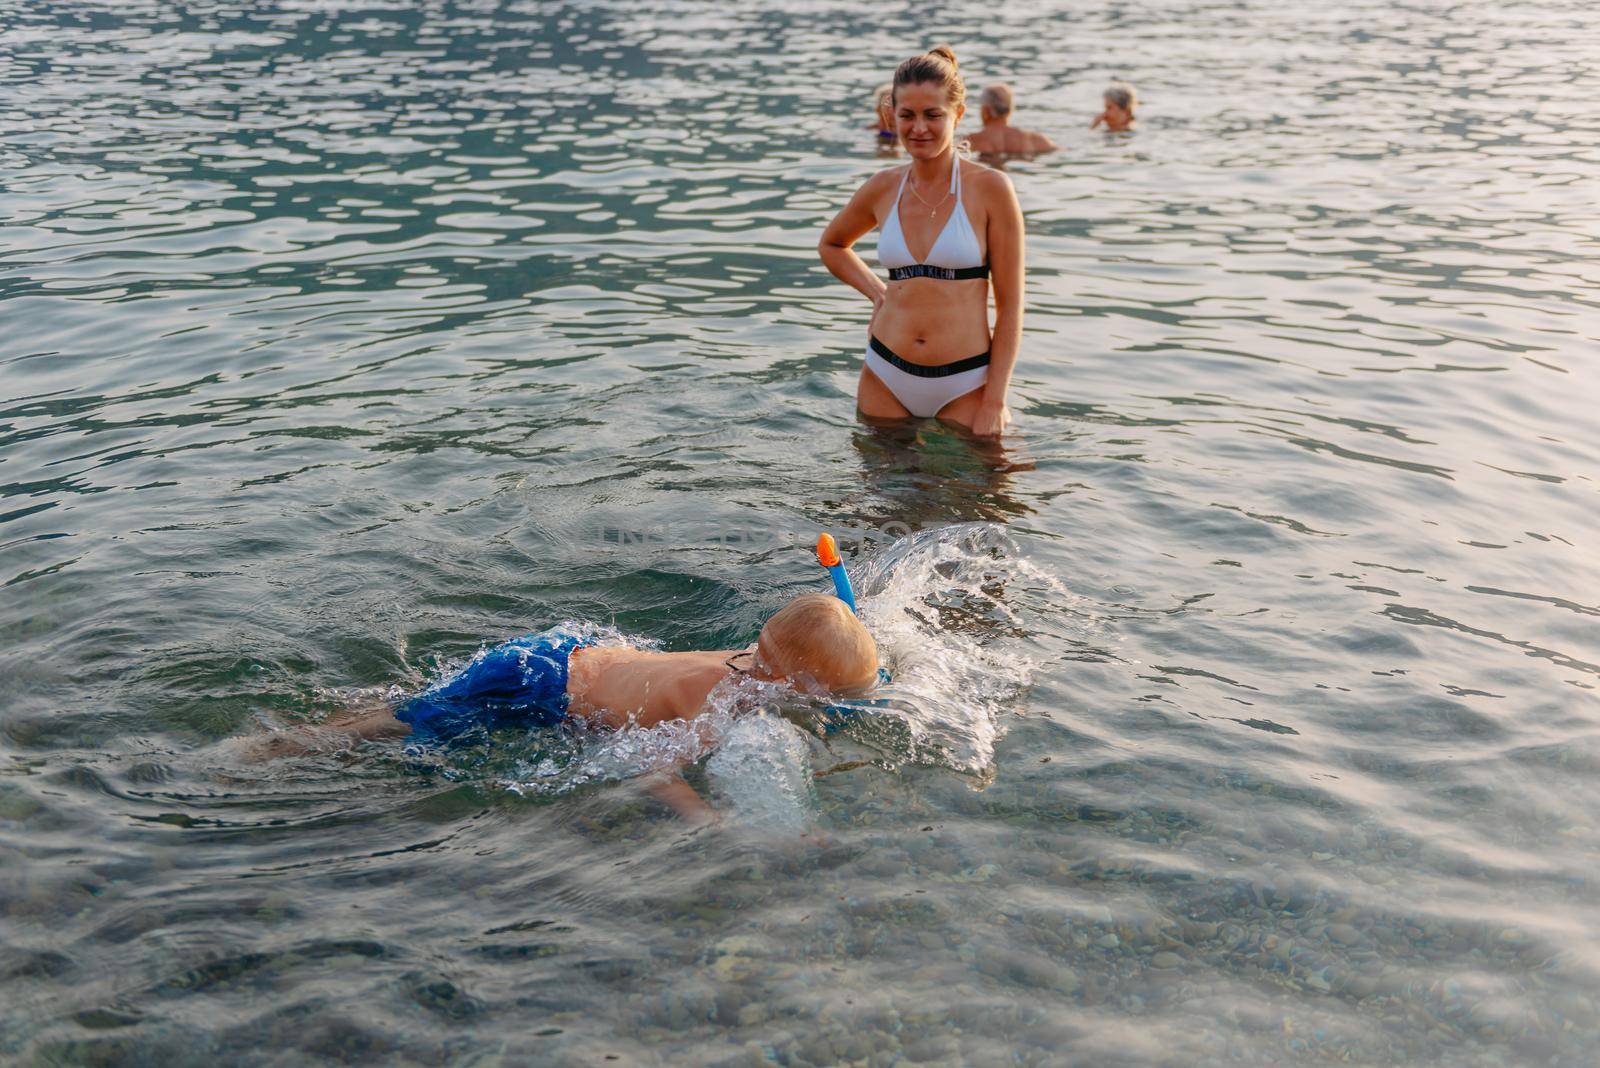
x=814, y=644
x=1117, y=115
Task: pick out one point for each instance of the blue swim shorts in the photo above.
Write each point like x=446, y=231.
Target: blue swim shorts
x=522, y=682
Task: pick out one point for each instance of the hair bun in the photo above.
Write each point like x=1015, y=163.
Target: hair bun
x=937, y=66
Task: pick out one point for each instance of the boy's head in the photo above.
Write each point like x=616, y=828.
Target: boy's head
x=817, y=642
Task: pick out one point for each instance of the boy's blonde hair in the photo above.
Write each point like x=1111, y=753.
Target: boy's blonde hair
x=817, y=635
x=1122, y=95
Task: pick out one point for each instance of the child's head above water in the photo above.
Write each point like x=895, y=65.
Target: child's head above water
x=883, y=107
x=816, y=642
x=1120, y=100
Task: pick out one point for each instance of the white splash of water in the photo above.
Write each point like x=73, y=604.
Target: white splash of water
x=946, y=607
x=761, y=774
x=595, y=754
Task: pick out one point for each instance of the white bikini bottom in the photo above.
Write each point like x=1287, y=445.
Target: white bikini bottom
x=923, y=389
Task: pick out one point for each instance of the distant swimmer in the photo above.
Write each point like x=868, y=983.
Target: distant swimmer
x=998, y=137
x=947, y=226
x=883, y=108
x=1120, y=100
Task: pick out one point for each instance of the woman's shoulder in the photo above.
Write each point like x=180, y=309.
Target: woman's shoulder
x=887, y=178
x=985, y=178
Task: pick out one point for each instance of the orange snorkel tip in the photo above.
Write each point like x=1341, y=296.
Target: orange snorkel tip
x=828, y=557
x=827, y=550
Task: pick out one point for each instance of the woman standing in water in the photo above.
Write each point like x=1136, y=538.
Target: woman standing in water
x=948, y=227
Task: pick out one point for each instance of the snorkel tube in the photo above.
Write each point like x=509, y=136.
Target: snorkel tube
x=828, y=557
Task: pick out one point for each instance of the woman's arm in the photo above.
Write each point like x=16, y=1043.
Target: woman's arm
x=836, y=247
x=1006, y=278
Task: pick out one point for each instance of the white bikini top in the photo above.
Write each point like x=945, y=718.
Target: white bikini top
x=955, y=254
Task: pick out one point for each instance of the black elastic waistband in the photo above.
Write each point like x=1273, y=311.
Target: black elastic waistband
x=922, y=370
x=948, y=274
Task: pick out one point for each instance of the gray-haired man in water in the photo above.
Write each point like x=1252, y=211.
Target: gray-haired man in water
x=998, y=136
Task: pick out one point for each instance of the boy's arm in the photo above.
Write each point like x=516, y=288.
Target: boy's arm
x=670, y=788
x=686, y=701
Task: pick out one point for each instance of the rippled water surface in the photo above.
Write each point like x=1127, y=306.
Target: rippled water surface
x=1244, y=703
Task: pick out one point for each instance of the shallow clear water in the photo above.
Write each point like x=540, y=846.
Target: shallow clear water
x=339, y=338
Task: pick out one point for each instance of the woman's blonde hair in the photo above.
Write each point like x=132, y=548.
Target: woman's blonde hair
x=937, y=65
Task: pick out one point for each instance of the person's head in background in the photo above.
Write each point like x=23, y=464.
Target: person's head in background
x=1120, y=100
x=999, y=138
x=883, y=112
x=994, y=103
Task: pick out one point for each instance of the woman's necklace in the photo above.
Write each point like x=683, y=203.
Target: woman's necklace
x=933, y=209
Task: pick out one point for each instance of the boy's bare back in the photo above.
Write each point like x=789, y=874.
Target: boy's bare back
x=612, y=686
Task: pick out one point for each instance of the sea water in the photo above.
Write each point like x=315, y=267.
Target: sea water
x=1243, y=699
